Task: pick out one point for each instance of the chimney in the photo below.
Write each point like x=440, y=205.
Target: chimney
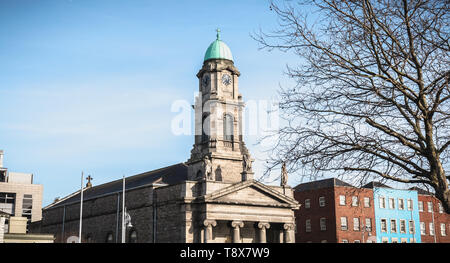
x=1, y=158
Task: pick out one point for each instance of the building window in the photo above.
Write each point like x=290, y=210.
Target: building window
x=308, y=225
x=410, y=204
x=323, y=241
x=344, y=223
x=411, y=226
x=357, y=241
x=354, y=201
x=382, y=202
x=430, y=207
x=356, y=224
x=384, y=240
x=8, y=203
x=404, y=240
x=402, y=226
x=323, y=224
x=401, y=204
x=391, y=203
x=443, y=230
x=368, y=225
x=228, y=127
x=133, y=236
x=412, y=240
x=422, y=228
x=109, y=238
x=307, y=203
x=89, y=238
x=342, y=200
x=441, y=208
x=27, y=206
x=393, y=226
x=322, y=201
x=383, y=225
x=344, y=241
x=366, y=201
x=394, y=240
x=205, y=129
x=420, y=206
x=431, y=229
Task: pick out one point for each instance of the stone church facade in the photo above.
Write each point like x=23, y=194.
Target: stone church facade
x=212, y=197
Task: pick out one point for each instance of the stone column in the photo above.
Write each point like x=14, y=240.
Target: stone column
x=262, y=231
x=208, y=225
x=236, y=231
x=288, y=233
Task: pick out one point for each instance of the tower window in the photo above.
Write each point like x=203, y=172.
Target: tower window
x=228, y=127
x=205, y=129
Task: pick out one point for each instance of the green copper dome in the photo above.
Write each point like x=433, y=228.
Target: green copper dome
x=218, y=50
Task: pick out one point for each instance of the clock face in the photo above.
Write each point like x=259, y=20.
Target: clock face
x=226, y=79
x=205, y=81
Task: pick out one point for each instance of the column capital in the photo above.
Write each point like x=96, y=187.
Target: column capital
x=289, y=226
x=265, y=225
x=237, y=224
x=209, y=222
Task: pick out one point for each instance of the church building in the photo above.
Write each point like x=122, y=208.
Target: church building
x=212, y=197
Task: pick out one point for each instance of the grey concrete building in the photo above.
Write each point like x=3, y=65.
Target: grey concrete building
x=212, y=197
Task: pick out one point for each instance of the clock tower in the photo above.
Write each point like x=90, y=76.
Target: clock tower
x=219, y=152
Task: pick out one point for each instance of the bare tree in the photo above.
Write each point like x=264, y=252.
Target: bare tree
x=372, y=98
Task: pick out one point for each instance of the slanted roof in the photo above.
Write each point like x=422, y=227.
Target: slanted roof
x=420, y=191
x=375, y=184
x=325, y=183
x=167, y=175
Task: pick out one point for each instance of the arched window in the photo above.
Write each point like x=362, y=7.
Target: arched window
x=205, y=128
x=133, y=236
x=228, y=127
x=109, y=238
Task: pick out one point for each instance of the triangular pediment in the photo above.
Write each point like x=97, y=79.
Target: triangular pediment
x=251, y=192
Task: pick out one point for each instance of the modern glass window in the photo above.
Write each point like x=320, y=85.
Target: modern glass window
x=431, y=229
x=443, y=230
x=402, y=226
x=420, y=206
x=383, y=225
x=27, y=206
x=342, y=200
x=308, y=225
x=382, y=201
x=401, y=204
x=307, y=203
x=422, y=228
x=228, y=127
x=323, y=224
x=430, y=207
x=366, y=201
x=344, y=223
x=354, y=201
x=391, y=203
x=322, y=201
x=356, y=225
x=8, y=203
x=393, y=226
x=410, y=205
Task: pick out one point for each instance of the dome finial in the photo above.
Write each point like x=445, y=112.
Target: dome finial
x=218, y=33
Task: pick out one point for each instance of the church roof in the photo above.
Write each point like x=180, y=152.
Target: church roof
x=167, y=175
x=218, y=50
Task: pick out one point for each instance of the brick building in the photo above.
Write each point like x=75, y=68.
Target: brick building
x=434, y=221
x=334, y=211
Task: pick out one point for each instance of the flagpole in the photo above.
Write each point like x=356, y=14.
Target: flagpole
x=81, y=208
x=123, y=209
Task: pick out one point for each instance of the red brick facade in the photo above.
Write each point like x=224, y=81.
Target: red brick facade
x=331, y=213
x=441, y=220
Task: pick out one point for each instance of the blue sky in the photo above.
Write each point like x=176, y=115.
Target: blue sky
x=87, y=85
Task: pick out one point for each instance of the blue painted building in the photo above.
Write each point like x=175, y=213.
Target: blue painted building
x=396, y=214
